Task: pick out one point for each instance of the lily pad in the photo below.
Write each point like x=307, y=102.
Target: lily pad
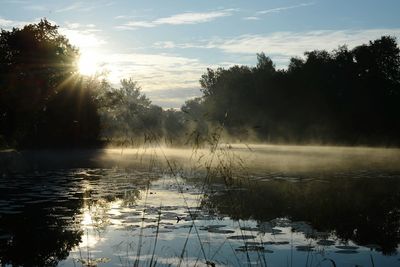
x=281, y=242
x=250, y=248
x=346, y=251
x=325, y=242
x=347, y=247
x=305, y=248
x=241, y=237
x=246, y=228
x=220, y=231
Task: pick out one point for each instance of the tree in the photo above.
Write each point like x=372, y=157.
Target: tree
x=345, y=96
x=43, y=99
x=127, y=113
x=174, y=126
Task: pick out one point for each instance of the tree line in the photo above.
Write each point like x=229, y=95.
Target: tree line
x=45, y=102
x=347, y=96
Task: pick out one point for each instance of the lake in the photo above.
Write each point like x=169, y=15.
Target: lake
x=238, y=205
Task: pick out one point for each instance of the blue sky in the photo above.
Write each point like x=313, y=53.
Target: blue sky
x=167, y=44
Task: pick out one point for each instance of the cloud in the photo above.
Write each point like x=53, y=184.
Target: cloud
x=84, y=37
x=296, y=43
x=280, y=9
x=83, y=6
x=177, y=19
x=172, y=98
x=140, y=24
x=155, y=72
x=72, y=25
x=36, y=7
x=281, y=46
x=7, y=24
x=192, y=18
x=277, y=10
x=251, y=18
x=73, y=6
x=286, y=44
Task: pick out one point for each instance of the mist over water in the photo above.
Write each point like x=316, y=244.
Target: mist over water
x=93, y=173
x=246, y=157
x=274, y=204
x=262, y=157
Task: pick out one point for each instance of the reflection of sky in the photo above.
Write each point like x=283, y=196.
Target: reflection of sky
x=110, y=225
x=119, y=241
x=167, y=45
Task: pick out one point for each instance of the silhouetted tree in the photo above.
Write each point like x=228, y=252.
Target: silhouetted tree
x=346, y=96
x=175, y=126
x=43, y=100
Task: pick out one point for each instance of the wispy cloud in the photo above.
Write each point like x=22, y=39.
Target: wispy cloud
x=251, y=18
x=258, y=14
x=73, y=6
x=7, y=24
x=167, y=79
x=192, y=17
x=35, y=7
x=83, y=36
x=295, y=44
x=4, y=23
x=139, y=24
x=286, y=43
x=84, y=6
x=280, y=9
x=177, y=19
x=172, y=98
x=155, y=72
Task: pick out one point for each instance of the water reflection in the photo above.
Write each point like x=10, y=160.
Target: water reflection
x=356, y=206
x=40, y=219
x=114, y=217
x=43, y=215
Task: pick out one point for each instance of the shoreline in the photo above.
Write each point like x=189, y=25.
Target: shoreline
x=255, y=157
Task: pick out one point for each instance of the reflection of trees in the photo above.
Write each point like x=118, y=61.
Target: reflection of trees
x=38, y=240
x=366, y=211
x=43, y=233
x=50, y=209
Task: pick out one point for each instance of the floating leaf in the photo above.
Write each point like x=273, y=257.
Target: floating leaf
x=346, y=251
x=325, y=242
x=240, y=237
x=305, y=248
x=348, y=247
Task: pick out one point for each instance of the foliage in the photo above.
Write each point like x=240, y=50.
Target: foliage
x=43, y=101
x=346, y=96
x=128, y=116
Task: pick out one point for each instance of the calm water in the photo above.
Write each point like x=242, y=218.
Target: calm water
x=122, y=217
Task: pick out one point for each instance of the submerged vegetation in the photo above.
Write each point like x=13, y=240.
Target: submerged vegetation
x=348, y=96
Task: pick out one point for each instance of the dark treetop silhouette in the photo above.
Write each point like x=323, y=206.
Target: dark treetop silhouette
x=43, y=99
x=346, y=97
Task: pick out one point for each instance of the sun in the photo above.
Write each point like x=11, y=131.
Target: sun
x=88, y=64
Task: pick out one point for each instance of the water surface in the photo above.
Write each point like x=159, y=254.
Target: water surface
x=226, y=214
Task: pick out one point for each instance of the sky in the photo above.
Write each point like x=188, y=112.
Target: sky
x=166, y=45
